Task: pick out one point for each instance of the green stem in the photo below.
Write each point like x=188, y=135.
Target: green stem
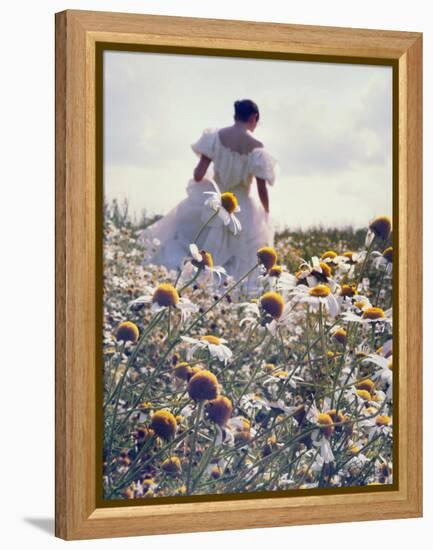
x=322, y=338
x=119, y=387
x=191, y=281
x=364, y=263
x=192, y=447
x=206, y=458
x=188, y=329
x=132, y=472
x=379, y=290
x=116, y=368
x=337, y=374
x=203, y=227
x=169, y=323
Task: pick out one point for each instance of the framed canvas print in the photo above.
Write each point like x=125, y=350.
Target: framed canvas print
x=238, y=284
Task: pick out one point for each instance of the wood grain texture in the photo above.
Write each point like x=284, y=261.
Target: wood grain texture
x=77, y=33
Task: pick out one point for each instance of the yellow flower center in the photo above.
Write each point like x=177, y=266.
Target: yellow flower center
x=336, y=416
x=319, y=291
x=211, y=339
x=373, y=313
x=147, y=482
x=326, y=422
x=387, y=254
x=348, y=254
x=267, y=256
x=206, y=258
x=364, y=394
x=203, y=386
x=183, y=371
x=166, y=295
x=273, y=304
x=340, y=335
x=275, y=271
x=281, y=374
x=324, y=419
x=172, y=465
x=326, y=270
x=383, y=420
x=245, y=424
x=329, y=254
x=367, y=385
x=229, y=202
x=164, y=424
x=381, y=227
x=127, y=332
x=348, y=290
x=219, y=410
x=269, y=367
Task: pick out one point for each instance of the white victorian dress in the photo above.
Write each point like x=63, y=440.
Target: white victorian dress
x=230, y=171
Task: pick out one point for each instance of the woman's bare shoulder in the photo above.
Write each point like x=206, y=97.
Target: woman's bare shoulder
x=256, y=142
x=240, y=142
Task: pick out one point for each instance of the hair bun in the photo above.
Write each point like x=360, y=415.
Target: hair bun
x=244, y=108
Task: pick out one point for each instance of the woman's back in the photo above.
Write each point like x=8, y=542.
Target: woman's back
x=229, y=159
x=237, y=157
x=238, y=140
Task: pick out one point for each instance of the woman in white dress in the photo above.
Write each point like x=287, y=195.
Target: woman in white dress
x=238, y=158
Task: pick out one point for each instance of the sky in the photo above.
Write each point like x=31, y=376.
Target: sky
x=329, y=126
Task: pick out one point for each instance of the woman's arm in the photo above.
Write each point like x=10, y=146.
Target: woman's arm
x=202, y=166
x=263, y=193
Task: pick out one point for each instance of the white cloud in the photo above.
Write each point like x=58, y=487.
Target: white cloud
x=328, y=125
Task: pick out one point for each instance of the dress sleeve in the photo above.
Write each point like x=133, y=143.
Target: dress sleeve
x=263, y=165
x=205, y=145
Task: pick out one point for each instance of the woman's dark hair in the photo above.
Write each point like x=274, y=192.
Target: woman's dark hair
x=244, y=108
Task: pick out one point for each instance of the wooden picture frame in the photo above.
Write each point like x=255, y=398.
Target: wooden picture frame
x=79, y=35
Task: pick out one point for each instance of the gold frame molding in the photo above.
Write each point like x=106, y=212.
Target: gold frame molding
x=80, y=35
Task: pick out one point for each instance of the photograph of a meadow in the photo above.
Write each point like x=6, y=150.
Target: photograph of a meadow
x=247, y=276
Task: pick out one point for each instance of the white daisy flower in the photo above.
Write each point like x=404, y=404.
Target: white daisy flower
x=163, y=296
x=346, y=263
x=380, y=424
x=322, y=435
x=270, y=311
x=384, y=372
x=202, y=261
x=279, y=405
x=316, y=296
x=224, y=436
x=369, y=315
x=226, y=204
x=237, y=427
x=315, y=273
x=277, y=278
x=214, y=345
